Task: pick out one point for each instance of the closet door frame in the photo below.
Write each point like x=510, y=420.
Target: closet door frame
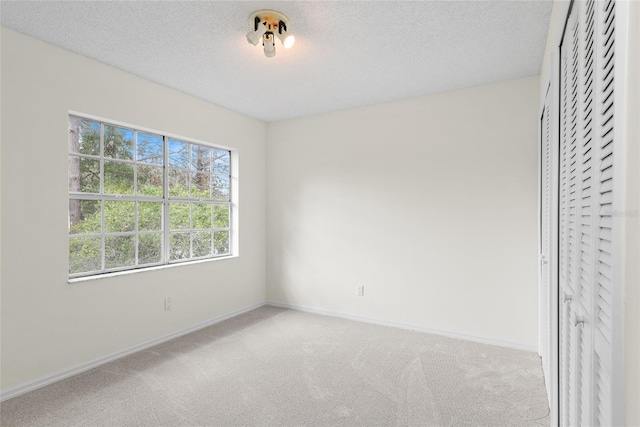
x=620, y=164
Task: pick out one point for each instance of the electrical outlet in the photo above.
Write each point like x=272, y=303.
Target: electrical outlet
x=167, y=304
x=361, y=290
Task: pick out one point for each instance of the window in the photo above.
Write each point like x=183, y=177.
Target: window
x=139, y=199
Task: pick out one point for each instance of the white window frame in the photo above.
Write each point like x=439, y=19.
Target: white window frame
x=166, y=201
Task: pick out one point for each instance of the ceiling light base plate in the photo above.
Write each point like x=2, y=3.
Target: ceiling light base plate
x=271, y=18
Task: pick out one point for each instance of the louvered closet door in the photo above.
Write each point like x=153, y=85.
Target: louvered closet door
x=585, y=225
x=583, y=313
x=545, y=231
x=603, y=175
x=564, y=314
x=568, y=226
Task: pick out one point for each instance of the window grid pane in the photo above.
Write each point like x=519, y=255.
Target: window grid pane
x=139, y=199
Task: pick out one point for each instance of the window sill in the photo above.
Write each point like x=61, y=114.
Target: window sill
x=140, y=270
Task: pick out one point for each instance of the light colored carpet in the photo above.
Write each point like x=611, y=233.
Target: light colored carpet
x=277, y=367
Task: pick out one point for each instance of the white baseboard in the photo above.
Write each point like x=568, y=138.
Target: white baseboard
x=419, y=328
x=50, y=379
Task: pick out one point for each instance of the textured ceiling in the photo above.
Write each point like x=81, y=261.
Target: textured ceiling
x=347, y=53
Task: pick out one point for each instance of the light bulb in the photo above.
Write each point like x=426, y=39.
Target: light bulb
x=286, y=39
x=289, y=41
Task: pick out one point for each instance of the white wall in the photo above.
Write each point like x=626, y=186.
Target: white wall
x=430, y=203
x=49, y=325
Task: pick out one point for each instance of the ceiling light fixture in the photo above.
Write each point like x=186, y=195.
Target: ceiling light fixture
x=266, y=26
